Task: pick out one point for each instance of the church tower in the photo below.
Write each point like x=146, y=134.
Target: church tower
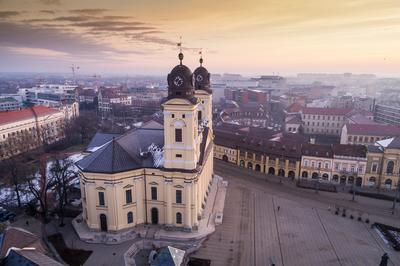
x=181, y=136
x=204, y=93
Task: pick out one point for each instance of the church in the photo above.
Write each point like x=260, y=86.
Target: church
x=159, y=173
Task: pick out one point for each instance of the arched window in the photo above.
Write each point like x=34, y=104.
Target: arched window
x=325, y=176
x=179, y=218
x=390, y=167
x=335, y=178
x=304, y=174
x=388, y=183
x=130, y=217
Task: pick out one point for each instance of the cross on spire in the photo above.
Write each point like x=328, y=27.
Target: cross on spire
x=201, y=56
x=179, y=44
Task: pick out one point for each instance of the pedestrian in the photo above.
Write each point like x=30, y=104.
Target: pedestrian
x=279, y=207
x=384, y=260
x=27, y=223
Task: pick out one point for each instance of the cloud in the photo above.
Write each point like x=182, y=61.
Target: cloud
x=8, y=14
x=36, y=51
x=47, y=12
x=74, y=18
x=88, y=11
x=18, y=35
x=50, y=2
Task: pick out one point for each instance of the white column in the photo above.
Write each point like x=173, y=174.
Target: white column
x=188, y=206
x=168, y=184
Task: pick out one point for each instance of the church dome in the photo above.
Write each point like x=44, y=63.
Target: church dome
x=180, y=82
x=202, y=78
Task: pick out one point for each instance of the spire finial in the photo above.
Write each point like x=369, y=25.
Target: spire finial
x=201, y=57
x=179, y=44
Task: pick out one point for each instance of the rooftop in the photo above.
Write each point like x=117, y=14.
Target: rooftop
x=24, y=114
x=373, y=129
x=326, y=111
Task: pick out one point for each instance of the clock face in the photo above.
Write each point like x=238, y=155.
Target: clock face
x=199, y=78
x=178, y=81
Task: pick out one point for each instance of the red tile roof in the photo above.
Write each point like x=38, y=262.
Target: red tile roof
x=24, y=114
x=294, y=108
x=375, y=130
x=19, y=238
x=326, y=111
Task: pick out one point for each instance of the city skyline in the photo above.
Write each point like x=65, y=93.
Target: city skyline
x=252, y=37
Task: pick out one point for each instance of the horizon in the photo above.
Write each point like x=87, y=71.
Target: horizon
x=252, y=38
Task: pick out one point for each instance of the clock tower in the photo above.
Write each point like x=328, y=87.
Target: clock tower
x=181, y=135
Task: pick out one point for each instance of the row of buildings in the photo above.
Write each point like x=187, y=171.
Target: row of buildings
x=29, y=128
x=375, y=165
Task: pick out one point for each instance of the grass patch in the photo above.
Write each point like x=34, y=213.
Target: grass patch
x=70, y=256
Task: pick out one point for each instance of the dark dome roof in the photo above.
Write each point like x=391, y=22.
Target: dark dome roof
x=202, y=79
x=180, y=83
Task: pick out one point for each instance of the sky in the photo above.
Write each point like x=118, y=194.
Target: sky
x=251, y=37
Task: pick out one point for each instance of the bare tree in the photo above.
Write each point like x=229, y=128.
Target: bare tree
x=40, y=187
x=61, y=173
x=17, y=173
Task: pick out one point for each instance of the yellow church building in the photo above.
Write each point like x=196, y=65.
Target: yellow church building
x=159, y=173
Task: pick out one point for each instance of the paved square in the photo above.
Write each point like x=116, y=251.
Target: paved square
x=255, y=232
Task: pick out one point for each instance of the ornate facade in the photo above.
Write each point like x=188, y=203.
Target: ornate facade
x=159, y=173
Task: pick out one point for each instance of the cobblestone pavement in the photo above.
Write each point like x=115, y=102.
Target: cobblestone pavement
x=267, y=222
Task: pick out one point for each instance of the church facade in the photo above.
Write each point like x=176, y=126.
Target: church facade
x=159, y=173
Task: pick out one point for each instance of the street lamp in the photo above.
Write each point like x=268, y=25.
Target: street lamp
x=395, y=197
x=319, y=174
x=355, y=174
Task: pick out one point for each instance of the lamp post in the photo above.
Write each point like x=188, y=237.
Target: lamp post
x=319, y=174
x=395, y=197
x=354, y=180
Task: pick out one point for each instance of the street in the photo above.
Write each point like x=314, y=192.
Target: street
x=267, y=222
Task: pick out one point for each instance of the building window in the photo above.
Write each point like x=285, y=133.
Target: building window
x=128, y=196
x=173, y=115
x=101, y=198
x=178, y=196
x=178, y=134
x=130, y=217
x=153, y=193
x=178, y=155
x=305, y=163
x=179, y=218
x=374, y=167
x=390, y=167
x=183, y=115
x=326, y=165
x=199, y=115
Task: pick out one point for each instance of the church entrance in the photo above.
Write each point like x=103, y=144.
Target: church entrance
x=154, y=216
x=103, y=222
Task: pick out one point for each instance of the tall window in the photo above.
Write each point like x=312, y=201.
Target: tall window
x=101, y=198
x=153, y=193
x=390, y=167
x=130, y=217
x=178, y=134
x=178, y=196
x=374, y=167
x=128, y=196
x=179, y=218
x=199, y=116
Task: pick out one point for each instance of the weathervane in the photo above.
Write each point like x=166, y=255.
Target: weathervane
x=179, y=44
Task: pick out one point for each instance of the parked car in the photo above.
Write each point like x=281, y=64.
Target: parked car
x=6, y=215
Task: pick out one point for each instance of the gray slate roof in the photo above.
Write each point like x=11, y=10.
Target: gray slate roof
x=124, y=153
x=100, y=139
